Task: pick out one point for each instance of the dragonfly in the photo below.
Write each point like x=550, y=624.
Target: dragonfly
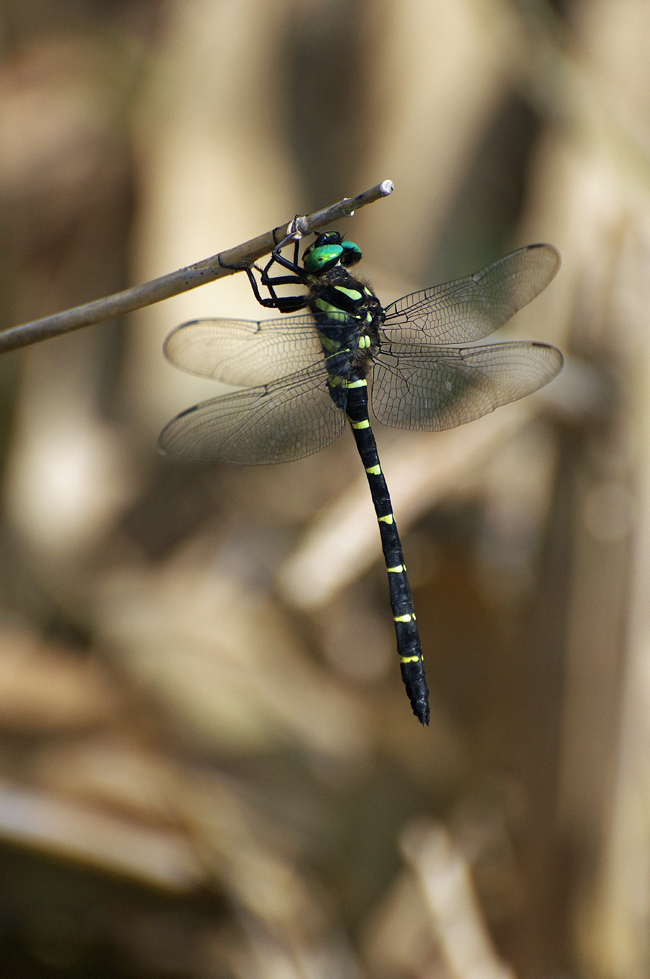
x=304, y=375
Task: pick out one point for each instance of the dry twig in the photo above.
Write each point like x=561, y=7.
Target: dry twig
x=184, y=279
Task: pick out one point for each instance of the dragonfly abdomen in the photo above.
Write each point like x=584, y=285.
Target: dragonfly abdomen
x=409, y=647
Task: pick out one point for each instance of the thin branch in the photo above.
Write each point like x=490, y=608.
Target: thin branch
x=182, y=280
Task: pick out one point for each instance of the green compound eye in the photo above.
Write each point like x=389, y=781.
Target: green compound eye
x=322, y=257
x=351, y=253
x=327, y=251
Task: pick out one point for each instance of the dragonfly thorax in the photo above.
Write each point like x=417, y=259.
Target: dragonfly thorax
x=348, y=316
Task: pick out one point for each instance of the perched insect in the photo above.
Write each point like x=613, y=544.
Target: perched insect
x=304, y=375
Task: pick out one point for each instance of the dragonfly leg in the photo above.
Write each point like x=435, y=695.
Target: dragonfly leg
x=297, y=231
x=285, y=304
x=279, y=259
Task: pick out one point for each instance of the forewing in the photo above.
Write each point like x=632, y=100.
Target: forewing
x=243, y=351
x=278, y=422
x=474, y=307
x=435, y=388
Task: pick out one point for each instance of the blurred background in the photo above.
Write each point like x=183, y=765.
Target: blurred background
x=208, y=766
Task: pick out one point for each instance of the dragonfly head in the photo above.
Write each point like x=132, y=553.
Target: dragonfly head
x=328, y=250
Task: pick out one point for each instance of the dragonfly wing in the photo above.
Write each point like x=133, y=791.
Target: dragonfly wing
x=472, y=308
x=436, y=388
x=243, y=351
x=282, y=421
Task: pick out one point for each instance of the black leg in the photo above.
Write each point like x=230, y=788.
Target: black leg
x=269, y=303
x=285, y=304
x=285, y=263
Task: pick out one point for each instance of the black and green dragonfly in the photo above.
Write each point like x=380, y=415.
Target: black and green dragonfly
x=304, y=375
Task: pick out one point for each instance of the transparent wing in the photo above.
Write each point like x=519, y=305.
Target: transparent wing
x=435, y=388
x=473, y=308
x=243, y=351
x=278, y=422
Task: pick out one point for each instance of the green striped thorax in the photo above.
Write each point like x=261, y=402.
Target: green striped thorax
x=347, y=312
